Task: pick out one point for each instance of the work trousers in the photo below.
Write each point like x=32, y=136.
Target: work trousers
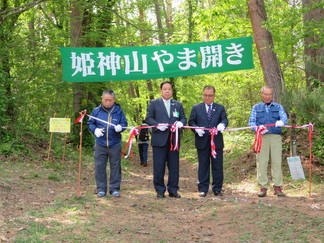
x=101, y=156
x=271, y=149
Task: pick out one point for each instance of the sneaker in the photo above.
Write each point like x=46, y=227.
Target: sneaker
x=262, y=192
x=115, y=194
x=278, y=191
x=202, y=194
x=101, y=194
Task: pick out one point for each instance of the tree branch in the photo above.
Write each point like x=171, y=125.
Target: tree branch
x=19, y=9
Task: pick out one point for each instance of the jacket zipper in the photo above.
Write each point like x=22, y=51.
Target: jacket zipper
x=109, y=119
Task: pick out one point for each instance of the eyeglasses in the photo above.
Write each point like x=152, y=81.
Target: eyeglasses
x=267, y=95
x=208, y=96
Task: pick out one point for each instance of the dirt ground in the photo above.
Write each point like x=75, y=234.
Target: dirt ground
x=30, y=198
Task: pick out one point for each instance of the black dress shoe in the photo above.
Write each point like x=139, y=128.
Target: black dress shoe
x=174, y=194
x=218, y=193
x=202, y=194
x=160, y=195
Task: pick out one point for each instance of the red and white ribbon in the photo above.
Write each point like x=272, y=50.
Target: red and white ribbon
x=80, y=118
x=174, y=138
x=256, y=147
x=213, y=152
x=174, y=145
x=133, y=132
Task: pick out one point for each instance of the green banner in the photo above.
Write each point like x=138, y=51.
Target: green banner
x=82, y=64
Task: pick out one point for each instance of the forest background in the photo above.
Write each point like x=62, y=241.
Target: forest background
x=288, y=55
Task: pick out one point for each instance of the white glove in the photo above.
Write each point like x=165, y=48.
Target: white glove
x=279, y=123
x=99, y=132
x=179, y=124
x=220, y=127
x=264, y=131
x=161, y=127
x=200, y=132
x=118, y=128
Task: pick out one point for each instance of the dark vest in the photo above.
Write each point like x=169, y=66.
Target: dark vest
x=270, y=117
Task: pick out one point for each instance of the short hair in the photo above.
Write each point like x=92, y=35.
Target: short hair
x=209, y=87
x=266, y=87
x=109, y=92
x=165, y=82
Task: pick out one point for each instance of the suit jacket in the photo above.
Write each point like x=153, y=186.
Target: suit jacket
x=199, y=118
x=157, y=113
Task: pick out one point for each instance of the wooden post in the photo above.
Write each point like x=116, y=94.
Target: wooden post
x=50, y=144
x=80, y=160
x=293, y=137
x=64, y=146
x=310, y=136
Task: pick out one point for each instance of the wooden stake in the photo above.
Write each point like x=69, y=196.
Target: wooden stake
x=80, y=161
x=64, y=146
x=50, y=144
x=310, y=169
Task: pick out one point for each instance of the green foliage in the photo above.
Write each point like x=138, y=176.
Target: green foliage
x=30, y=73
x=308, y=105
x=4, y=118
x=319, y=143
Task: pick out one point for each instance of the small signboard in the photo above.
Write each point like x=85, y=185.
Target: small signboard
x=296, y=169
x=62, y=125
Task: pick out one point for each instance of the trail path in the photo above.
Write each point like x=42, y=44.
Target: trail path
x=138, y=216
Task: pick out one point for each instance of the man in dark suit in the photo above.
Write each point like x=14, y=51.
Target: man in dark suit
x=163, y=112
x=209, y=115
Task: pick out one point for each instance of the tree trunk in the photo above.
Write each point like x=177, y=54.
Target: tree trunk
x=159, y=21
x=263, y=39
x=143, y=42
x=314, y=52
x=7, y=26
x=190, y=21
x=76, y=41
x=169, y=21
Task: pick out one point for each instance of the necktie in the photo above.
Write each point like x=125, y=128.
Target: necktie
x=167, y=106
x=209, y=111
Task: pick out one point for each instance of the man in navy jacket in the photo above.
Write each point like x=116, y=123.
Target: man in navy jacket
x=163, y=112
x=209, y=115
x=108, y=143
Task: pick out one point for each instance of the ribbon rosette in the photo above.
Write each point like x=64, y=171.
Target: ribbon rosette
x=213, y=132
x=256, y=147
x=174, y=132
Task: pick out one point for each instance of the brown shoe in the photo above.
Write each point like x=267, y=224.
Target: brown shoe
x=278, y=191
x=262, y=192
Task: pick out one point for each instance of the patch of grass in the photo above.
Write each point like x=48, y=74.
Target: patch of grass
x=34, y=232
x=281, y=225
x=54, y=177
x=246, y=237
